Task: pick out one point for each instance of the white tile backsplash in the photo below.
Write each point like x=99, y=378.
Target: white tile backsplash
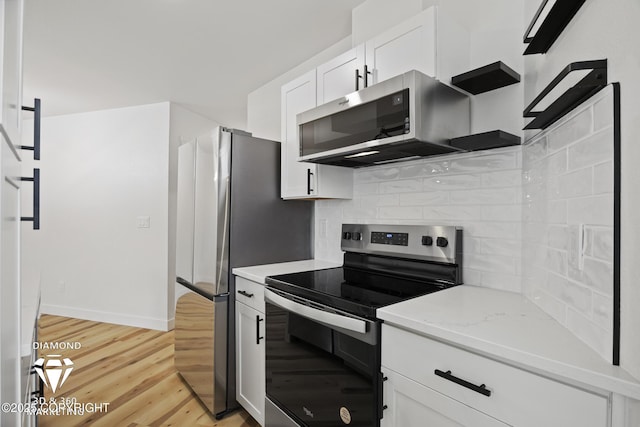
x=521, y=209
x=568, y=173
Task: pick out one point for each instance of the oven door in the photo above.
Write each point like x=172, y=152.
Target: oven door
x=322, y=365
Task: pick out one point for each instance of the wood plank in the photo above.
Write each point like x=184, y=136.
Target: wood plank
x=133, y=370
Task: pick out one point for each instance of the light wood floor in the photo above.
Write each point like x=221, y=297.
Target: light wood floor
x=131, y=369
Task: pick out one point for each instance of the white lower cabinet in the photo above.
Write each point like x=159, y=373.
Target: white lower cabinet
x=459, y=387
x=250, y=360
x=410, y=404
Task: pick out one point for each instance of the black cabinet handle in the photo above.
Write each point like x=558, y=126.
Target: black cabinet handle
x=258, y=337
x=358, y=77
x=245, y=293
x=482, y=389
x=36, y=199
x=36, y=129
x=309, y=175
x=366, y=76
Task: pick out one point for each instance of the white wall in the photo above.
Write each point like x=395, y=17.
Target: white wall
x=100, y=171
x=608, y=29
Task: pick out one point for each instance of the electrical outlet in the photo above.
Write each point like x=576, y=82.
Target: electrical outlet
x=143, y=222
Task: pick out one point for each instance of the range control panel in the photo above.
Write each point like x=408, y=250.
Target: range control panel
x=428, y=242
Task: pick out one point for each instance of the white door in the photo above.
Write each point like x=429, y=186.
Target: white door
x=342, y=75
x=298, y=179
x=250, y=370
x=410, y=404
x=405, y=47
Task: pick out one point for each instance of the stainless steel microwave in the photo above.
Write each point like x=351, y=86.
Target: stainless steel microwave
x=408, y=116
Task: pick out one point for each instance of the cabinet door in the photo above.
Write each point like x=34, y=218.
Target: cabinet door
x=298, y=179
x=410, y=404
x=341, y=75
x=250, y=360
x=11, y=12
x=405, y=47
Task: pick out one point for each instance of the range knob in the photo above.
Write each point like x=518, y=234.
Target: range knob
x=427, y=240
x=356, y=236
x=347, y=235
x=442, y=242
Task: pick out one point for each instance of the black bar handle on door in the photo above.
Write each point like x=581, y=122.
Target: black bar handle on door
x=366, y=76
x=36, y=129
x=258, y=337
x=482, y=389
x=245, y=293
x=309, y=175
x=36, y=199
x=358, y=77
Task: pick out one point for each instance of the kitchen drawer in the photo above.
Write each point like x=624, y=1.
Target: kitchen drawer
x=518, y=397
x=250, y=293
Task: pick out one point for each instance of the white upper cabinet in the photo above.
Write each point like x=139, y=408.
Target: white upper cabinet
x=301, y=180
x=341, y=75
x=428, y=42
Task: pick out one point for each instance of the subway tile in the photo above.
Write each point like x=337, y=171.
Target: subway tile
x=556, y=212
x=570, y=131
x=575, y=184
x=409, y=212
x=453, y=182
x=603, y=178
x=504, y=282
x=471, y=276
x=485, y=163
x=402, y=186
x=468, y=213
x=603, y=112
x=503, y=247
x=511, y=213
x=368, y=188
x=558, y=237
x=428, y=167
x=499, y=230
x=492, y=263
x=593, y=150
x=570, y=293
x=556, y=261
x=507, y=178
x=557, y=163
x=600, y=243
x=353, y=212
x=596, y=274
x=594, y=210
x=426, y=198
x=378, y=200
x=603, y=311
x=534, y=151
x=485, y=196
x=590, y=333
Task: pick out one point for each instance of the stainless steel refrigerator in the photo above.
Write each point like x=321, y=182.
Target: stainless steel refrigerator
x=229, y=215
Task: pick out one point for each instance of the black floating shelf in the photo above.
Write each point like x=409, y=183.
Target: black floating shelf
x=592, y=82
x=485, y=141
x=561, y=12
x=484, y=79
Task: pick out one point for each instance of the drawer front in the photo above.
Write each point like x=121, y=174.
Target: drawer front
x=517, y=397
x=250, y=293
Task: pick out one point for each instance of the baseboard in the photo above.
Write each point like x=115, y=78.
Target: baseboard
x=108, y=317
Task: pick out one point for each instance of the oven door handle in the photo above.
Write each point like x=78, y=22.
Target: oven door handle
x=325, y=317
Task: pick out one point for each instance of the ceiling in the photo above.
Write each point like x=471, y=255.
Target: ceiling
x=207, y=55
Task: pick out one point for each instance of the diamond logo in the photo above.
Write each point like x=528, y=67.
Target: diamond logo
x=53, y=370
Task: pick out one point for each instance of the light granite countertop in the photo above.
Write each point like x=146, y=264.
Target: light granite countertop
x=510, y=328
x=258, y=273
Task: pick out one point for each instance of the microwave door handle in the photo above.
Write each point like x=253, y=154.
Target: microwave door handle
x=325, y=317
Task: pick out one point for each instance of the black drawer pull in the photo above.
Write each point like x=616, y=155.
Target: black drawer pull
x=36, y=129
x=36, y=199
x=258, y=337
x=246, y=294
x=482, y=389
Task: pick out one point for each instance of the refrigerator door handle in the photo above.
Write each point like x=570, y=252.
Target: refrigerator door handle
x=225, y=235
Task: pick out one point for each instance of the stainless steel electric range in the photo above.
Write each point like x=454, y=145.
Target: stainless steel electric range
x=322, y=334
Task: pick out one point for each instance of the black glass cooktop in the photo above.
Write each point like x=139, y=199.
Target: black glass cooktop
x=355, y=291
